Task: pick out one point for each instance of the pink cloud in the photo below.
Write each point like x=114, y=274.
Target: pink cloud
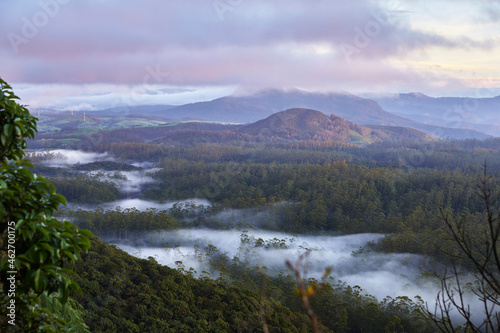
x=191, y=43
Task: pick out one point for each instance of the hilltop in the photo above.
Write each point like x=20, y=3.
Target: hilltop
x=307, y=124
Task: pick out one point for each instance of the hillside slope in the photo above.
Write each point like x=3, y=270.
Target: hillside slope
x=307, y=124
x=124, y=294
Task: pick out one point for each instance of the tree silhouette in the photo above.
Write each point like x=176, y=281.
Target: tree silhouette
x=482, y=254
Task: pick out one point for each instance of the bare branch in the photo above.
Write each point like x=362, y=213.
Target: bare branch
x=484, y=255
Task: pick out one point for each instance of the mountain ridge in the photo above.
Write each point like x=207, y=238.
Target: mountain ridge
x=473, y=113
x=246, y=108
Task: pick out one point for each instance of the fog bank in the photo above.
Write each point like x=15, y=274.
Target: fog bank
x=128, y=182
x=378, y=274
x=140, y=204
x=65, y=157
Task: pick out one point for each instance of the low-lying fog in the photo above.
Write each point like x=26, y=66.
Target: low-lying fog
x=128, y=182
x=139, y=204
x=378, y=274
x=67, y=157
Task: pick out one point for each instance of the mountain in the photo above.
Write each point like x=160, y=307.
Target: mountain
x=481, y=114
x=250, y=108
x=246, y=108
x=307, y=124
x=144, y=110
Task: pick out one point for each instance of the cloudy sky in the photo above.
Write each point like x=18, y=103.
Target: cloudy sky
x=101, y=53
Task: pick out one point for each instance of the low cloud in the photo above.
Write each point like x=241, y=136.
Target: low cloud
x=67, y=97
x=378, y=274
x=259, y=43
x=140, y=204
x=128, y=182
x=66, y=157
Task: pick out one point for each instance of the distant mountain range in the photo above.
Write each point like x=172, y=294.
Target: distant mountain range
x=481, y=114
x=257, y=106
x=253, y=107
x=446, y=117
x=296, y=124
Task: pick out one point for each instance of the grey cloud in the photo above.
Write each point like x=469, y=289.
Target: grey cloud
x=102, y=31
x=257, y=43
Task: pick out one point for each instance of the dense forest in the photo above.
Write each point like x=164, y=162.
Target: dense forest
x=302, y=197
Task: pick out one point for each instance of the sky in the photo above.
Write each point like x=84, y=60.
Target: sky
x=94, y=54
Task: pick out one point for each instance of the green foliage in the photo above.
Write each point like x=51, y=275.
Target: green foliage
x=118, y=223
x=69, y=313
x=86, y=189
x=41, y=244
x=123, y=293
x=16, y=124
x=106, y=165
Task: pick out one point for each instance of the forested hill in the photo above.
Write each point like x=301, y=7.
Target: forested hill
x=307, y=124
x=125, y=294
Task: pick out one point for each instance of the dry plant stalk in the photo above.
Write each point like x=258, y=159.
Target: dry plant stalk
x=306, y=292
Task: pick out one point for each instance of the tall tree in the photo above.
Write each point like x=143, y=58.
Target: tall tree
x=34, y=246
